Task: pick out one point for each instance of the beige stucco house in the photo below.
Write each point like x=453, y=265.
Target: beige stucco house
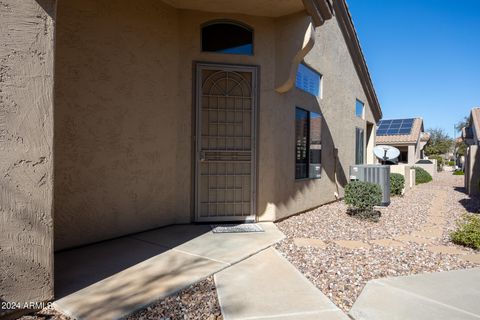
x=407, y=135
x=471, y=136
x=122, y=116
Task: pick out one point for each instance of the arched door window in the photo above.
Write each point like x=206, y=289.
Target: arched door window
x=227, y=37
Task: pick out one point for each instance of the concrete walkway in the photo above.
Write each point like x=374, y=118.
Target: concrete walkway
x=110, y=280
x=267, y=286
x=432, y=296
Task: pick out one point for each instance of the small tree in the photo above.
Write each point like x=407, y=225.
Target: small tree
x=439, y=143
x=440, y=161
x=461, y=148
x=462, y=123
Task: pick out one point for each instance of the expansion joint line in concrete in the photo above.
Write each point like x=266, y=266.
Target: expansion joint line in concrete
x=203, y=257
x=228, y=264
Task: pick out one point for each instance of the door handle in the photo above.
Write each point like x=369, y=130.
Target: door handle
x=202, y=156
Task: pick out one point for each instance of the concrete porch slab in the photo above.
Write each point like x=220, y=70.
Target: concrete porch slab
x=267, y=286
x=81, y=267
x=439, y=296
x=137, y=286
x=114, y=278
x=223, y=247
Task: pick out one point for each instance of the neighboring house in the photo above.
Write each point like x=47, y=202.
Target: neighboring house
x=407, y=135
x=471, y=136
x=458, y=153
x=122, y=116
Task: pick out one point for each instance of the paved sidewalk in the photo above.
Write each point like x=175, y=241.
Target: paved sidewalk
x=267, y=286
x=430, y=296
x=110, y=280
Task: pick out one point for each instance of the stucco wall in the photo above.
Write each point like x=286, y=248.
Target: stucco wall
x=125, y=115
x=122, y=141
x=26, y=118
x=412, y=157
x=371, y=158
x=405, y=171
x=429, y=167
x=472, y=170
x=280, y=194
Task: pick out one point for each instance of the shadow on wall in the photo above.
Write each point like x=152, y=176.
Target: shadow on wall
x=26, y=255
x=122, y=150
x=472, y=203
x=286, y=190
x=48, y=6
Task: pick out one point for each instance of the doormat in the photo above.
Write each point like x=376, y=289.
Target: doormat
x=236, y=228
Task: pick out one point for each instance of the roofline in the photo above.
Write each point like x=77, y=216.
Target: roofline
x=348, y=30
x=397, y=143
x=404, y=118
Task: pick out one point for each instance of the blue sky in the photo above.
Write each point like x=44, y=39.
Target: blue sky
x=423, y=56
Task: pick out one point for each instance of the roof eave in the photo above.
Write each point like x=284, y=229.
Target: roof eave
x=396, y=142
x=319, y=10
x=348, y=30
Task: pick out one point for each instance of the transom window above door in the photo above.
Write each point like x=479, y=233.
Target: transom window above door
x=227, y=37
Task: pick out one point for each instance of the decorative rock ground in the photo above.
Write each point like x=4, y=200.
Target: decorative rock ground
x=411, y=237
x=339, y=253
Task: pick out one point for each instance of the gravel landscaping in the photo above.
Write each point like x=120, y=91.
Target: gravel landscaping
x=198, y=301
x=46, y=314
x=195, y=302
x=330, y=222
x=458, y=204
x=341, y=273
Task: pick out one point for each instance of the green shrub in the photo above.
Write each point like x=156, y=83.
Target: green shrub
x=421, y=176
x=458, y=173
x=451, y=163
x=439, y=161
x=361, y=197
x=468, y=232
x=397, y=183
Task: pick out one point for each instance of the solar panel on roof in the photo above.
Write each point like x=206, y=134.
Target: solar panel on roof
x=395, y=127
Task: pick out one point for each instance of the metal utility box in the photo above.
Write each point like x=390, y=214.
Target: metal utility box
x=378, y=174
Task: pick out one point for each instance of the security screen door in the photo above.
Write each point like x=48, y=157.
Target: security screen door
x=225, y=143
